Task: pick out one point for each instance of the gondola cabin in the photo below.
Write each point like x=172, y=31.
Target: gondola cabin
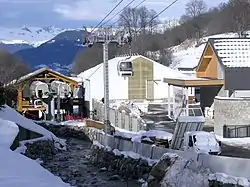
x=125, y=68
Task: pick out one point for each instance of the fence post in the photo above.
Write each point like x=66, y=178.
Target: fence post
x=224, y=131
x=130, y=122
x=116, y=118
x=123, y=119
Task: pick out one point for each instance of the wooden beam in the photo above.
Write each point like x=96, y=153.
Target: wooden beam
x=194, y=82
x=208, y=56
x=65, y=79
x=19, y=98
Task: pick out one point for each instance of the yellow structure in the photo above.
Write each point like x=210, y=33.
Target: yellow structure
x=43, y=74
x=208, y=72
x=137, y=84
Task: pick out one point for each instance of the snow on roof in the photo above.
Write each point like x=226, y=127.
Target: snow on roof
x=20, y=171
x=233, y=52
x=36, y=72
x=8, y=113
x=118, y=84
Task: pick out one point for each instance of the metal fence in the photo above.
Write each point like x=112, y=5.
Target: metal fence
x=119, y=119
x=236, y=131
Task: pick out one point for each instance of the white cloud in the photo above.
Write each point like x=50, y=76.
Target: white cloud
x=97, y=9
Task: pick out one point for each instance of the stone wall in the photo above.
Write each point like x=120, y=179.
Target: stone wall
x=230, y=111
x=134, y=159
x=126, y=166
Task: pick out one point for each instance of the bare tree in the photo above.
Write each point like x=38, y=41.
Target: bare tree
x=153, y=21
x=194, y=8
x=144, y=16
x=240, y=11
x=193, y=20
x=126, y=18
x=166, y=57
x=11, y=67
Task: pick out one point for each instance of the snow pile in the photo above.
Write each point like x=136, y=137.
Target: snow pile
x=16, y=169
x=223, y=178
x=10, y=114
x=129, y=107
x=8, y=133
x=141, y=135
x=185, y=173
x=237, y=142
x=20, y=171
x=79, y=123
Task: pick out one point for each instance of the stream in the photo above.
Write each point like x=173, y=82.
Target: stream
x=72, y=167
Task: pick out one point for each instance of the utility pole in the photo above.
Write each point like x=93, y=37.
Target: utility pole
x=105, y=36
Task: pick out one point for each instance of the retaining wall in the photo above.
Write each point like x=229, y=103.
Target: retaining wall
x=230, y=111
x=237, y=167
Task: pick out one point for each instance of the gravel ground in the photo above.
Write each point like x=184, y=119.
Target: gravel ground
x=73, y=167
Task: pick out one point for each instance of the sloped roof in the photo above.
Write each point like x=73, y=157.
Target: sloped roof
x=37, y=72
x=232, y=52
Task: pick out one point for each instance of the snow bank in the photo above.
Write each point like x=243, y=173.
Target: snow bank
x=222, y=177
x=79, y=123
x=138, y=136
x=8, y=113
x=237, y=142
x=185, y=173
x=128, y=106
x=8, y=132
x=20, y=171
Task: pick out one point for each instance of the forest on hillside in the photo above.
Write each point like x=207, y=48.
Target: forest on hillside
x=198, y=21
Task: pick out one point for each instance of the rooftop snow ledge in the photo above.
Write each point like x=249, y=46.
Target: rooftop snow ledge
x=232, y=98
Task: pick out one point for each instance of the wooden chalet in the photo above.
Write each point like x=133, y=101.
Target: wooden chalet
x=44, y=75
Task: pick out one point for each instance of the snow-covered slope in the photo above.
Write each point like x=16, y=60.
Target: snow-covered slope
x=28, y=35
x=187, y=54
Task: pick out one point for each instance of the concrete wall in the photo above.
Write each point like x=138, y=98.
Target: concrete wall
x=230, y=111
x=237, y=167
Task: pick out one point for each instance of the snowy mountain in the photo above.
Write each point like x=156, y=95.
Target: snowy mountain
x=58, y=53
x=28, y=35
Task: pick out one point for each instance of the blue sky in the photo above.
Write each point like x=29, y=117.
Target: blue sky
x=75, y=13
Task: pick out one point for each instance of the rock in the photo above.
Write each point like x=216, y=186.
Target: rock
x=103, y=169
x=126, y=167
x=43, y=149
x=114, y=177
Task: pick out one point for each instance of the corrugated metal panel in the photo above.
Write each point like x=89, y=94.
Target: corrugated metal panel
x=236, y=78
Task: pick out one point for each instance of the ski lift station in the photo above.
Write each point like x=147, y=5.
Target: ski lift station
x=136, y=78
x=46, y=94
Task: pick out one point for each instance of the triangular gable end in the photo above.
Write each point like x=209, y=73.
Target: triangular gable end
x=208, y=64
x=45, y=73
